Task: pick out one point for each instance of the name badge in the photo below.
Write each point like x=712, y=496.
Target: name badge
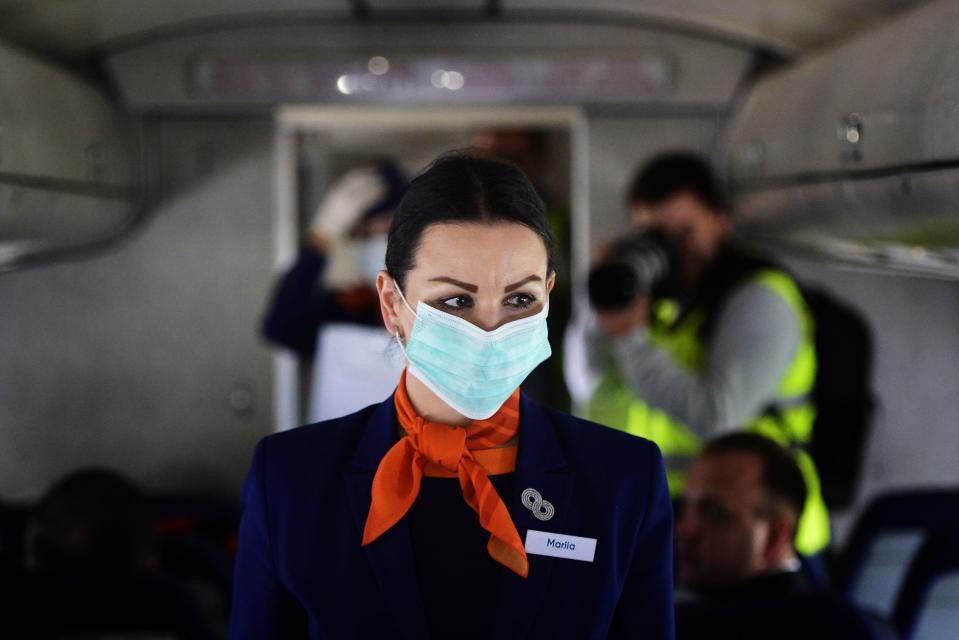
x=542, y=543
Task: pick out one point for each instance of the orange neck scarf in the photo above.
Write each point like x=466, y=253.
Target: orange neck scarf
x=468, y=453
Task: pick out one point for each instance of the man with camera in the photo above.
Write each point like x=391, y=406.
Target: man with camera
x=692, y=336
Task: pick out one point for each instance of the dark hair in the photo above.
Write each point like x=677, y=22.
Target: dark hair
x=462, y=187
x=92, y=518
x=781, y=476
x=673, y=172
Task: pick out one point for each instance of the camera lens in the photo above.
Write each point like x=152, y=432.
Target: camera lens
x=613, y=285
x=638, y=265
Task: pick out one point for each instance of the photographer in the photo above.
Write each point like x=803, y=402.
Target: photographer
x=692, y=337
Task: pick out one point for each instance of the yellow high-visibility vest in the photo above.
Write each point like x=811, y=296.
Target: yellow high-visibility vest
x=789, y=422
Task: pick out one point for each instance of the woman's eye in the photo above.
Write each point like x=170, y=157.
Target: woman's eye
x=457, y=302
x=520, y=300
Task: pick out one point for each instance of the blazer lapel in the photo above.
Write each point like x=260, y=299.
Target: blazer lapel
x=540, y=465
x=390, y=555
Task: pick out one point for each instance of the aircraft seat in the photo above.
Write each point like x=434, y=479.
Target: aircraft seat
x=116, y=602
x=885, y=539
x=13, y=522
x=928, y=604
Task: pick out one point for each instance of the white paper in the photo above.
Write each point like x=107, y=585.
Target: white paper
x=355, y=367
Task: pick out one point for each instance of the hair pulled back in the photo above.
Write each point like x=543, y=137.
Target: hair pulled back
x=462, y=187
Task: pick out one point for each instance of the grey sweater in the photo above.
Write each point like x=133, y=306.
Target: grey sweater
x=755, y=339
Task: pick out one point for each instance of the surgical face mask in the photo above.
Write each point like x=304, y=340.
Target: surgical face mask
x=354, y=261
x=371, y=257
x=472, y=370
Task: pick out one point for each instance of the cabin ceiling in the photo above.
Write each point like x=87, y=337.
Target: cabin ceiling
x=70, y=29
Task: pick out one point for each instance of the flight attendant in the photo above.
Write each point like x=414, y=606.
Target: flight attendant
x=458, y=508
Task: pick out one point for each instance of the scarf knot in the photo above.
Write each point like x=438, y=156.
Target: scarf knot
x=468, y=453
x=441, y=444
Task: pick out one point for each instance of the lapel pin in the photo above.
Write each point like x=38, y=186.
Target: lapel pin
x=542, y=509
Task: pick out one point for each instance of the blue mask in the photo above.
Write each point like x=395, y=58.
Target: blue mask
x=472, y=370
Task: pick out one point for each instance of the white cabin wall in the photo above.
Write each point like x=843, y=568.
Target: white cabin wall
x=618, y=144
x=915, y=436
x=128, y=358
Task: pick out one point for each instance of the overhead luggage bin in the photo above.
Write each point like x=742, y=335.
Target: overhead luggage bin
x=854, y=152
x=68, y=178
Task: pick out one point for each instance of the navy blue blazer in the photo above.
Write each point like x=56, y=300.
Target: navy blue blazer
x=301, y=571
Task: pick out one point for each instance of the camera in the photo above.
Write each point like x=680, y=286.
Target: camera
x=641, y=264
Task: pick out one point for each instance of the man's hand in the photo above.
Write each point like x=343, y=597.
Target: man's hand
x=617, y=324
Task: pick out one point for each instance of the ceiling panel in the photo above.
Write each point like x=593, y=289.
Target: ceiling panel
x=426, y=5
x=76, y=27
x=332, y=63
x=786, y=25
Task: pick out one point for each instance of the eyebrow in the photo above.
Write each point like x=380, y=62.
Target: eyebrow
x=517, y=285
x=472, y=288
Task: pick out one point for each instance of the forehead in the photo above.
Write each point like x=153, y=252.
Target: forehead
x=732, y=478
x=683, y=203
x=471, y=251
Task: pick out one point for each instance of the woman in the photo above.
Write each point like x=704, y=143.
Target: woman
x=457, y=508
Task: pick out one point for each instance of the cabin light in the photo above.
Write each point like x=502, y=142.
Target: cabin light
x=378, y=65
x=454, y=80
x=346, y=84
x=849, y=133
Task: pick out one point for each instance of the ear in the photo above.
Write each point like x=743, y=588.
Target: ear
x=389, y=301
x=550, y=281
x=782, y=531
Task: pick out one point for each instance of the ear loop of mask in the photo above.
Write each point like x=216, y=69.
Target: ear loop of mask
x=403, y=298
x=396, y=330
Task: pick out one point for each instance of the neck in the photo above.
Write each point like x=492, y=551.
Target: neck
x=430, y=407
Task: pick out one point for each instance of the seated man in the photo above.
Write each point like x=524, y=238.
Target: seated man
x=737, y=523
x=91, y=546
x=735, y=550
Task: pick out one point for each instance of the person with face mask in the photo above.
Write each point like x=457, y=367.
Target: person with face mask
x=730, y=347
x=325, y=308
x=528, y=149
x=458, y=508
